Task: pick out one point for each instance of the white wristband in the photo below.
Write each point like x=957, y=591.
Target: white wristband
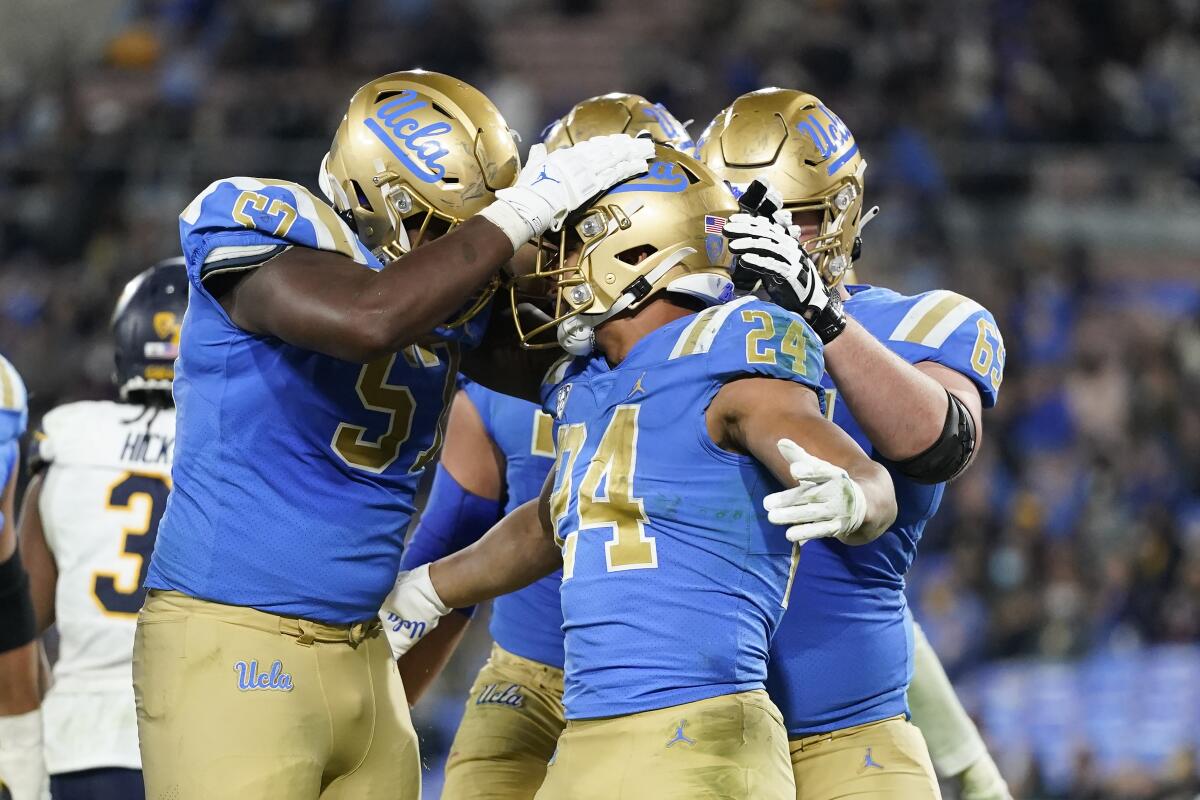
x=22, y=765
x=505, y=217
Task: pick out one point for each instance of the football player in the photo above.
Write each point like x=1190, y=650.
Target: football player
x=514, y=711
x=675, y=423
x=311, y=387
x=22, y=765
x=101, y=472
x=908, y=378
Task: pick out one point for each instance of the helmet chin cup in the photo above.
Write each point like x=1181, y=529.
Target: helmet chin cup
x=576, y=336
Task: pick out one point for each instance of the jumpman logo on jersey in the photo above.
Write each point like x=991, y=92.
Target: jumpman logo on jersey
x=680, y=736
x=870, y=762
x=637, y=386
x=543, y=176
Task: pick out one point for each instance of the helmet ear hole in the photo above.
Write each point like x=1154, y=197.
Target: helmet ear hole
x=636, y=254
x=361, y=196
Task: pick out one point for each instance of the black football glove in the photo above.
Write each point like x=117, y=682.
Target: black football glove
x=770, y=252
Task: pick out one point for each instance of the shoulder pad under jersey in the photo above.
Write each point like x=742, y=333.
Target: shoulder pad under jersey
x=948, y=329
x=749, y=336
x=237, y=223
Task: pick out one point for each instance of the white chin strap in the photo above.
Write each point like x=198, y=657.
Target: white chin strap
x=577, y=334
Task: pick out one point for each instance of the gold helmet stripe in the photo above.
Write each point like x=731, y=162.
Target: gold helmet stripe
x=934, y=318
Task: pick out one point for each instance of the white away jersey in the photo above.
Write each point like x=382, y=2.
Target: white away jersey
x=108, y=473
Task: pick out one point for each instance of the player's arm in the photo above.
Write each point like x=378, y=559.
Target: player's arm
x=35, y=552
x=955, y=746
x=517, y=551
x=926, y=418
x=329, y=304
x=325, y=302
x=463, y=503
x=22, y=767
x=907, y=410
x=839, y=491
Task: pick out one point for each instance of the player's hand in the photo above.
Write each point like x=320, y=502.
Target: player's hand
x=983, y=781
x=770, y=251
x=826, y=502
x=411, y=610
x=22, y=761
x=552, y=185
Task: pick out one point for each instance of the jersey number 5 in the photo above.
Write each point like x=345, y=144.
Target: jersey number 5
x=616, y=508
x=115, y=595
x=353, y=444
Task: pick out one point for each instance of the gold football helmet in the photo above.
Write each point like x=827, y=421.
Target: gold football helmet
x=652, y=233
x=808, y=154
x=416, y=145
x=617, y=113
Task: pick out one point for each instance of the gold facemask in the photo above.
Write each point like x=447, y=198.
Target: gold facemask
x=618, y=113
x=808, y=154
x=417, y=149
x=654, y=232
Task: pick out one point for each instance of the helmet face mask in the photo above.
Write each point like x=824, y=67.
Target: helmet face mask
x=808, y=154
x=416, y=154
x=647, y=235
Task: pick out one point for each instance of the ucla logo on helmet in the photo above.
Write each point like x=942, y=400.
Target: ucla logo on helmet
x=418, y=147
x=829, y=136
x=661, y=176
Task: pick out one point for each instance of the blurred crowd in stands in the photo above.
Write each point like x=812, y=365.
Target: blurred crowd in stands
x=1040, y=156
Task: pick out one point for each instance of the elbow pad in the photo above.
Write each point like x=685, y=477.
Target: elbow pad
x=949, y=455
x=453, y=519
x=17, y=625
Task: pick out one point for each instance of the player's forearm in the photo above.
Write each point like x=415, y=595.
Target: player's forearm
x=901, y=409
x=880, y=494
x=420, y=666
x=425, y=287
x=513, y=554
x=327, y=303
x=954, y=742
x=20, y=686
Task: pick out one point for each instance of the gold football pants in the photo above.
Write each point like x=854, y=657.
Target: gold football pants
x=732, y=747
x=512, y=723
x=887, y=760
x=237, y=703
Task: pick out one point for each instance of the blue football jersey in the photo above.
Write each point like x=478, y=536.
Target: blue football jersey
x=673, y=580
x=14, y=415
x=527, y=622
x=294, y=473
x=843, y=654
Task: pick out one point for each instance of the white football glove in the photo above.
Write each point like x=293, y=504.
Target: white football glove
x=553, y=185
x=827, y=501
x=22, y=762
x=770, y=250
x=411, y=610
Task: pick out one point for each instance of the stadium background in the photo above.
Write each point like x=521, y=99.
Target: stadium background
x=1041, y=156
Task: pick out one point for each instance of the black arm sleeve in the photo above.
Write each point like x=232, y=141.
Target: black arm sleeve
x=949, y=455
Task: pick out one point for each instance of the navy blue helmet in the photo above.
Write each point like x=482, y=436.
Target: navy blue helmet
x=146, y=326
